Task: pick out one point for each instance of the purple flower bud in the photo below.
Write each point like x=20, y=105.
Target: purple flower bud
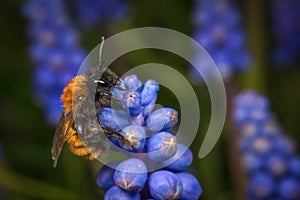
x=284, y=145
x=105, y=176
x=259, y=144
x=149, y=91
x=136, y=137
x=164, y=185
x=294, y=166
x=132, y=82
x=260, y=186
x=276, y=164
x=117, y=93
x=148, y=108
x=162, y=119
x=251, y=162
x=191, y=187
x=161, y=146
x=131, y=175
x=116, y=193
x=181, y=160
x=114, y=119
x=132, y=101
x=289, y=188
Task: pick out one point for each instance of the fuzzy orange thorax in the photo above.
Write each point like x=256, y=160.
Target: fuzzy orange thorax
x=76, y=88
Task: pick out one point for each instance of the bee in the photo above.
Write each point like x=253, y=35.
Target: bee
x=79, y=125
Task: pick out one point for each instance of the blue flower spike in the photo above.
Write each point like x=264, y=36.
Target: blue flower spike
x=285, y=28
x=131, y=175
x=165, y=185
x=191, y=187
x=268, y=155
x=161, y=146
x=92, y=13
x=218, y=28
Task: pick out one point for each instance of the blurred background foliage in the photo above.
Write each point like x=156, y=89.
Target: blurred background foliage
x=26, y=170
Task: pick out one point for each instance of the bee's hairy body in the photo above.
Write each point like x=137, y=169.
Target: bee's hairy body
x=82, y=99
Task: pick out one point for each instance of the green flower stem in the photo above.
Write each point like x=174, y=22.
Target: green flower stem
x=232, y=137
x=254, y=78
x=33, y=188
x=256, y=28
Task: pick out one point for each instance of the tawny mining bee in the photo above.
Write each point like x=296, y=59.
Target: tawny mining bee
x=82, y=100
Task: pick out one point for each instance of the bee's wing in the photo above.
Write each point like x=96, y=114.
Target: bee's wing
x=58, y=141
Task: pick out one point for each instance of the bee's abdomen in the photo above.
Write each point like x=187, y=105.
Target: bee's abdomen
x=76, y=145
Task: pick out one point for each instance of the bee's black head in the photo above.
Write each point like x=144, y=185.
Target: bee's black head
x=108, y=79
x=101, y=83
x=103, y=79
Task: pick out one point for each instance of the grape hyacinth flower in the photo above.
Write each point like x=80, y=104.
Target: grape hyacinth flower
x=55, y=51
x=268, y=155
x=148, y=132
x=218, y=29
x=94, y=12
x=286, y=29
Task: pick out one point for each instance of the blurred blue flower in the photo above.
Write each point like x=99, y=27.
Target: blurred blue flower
x=218, y=29
x=289, y=188
x=95, y=12
x=260, y=186
x=268, y=155
x=54, y=50
x=286, y=29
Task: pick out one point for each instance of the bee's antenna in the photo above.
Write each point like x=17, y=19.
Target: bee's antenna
x=100, y=50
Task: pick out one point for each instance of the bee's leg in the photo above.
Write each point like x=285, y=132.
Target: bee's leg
x=116, y=99
x=112, y=133
x=116, y=134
